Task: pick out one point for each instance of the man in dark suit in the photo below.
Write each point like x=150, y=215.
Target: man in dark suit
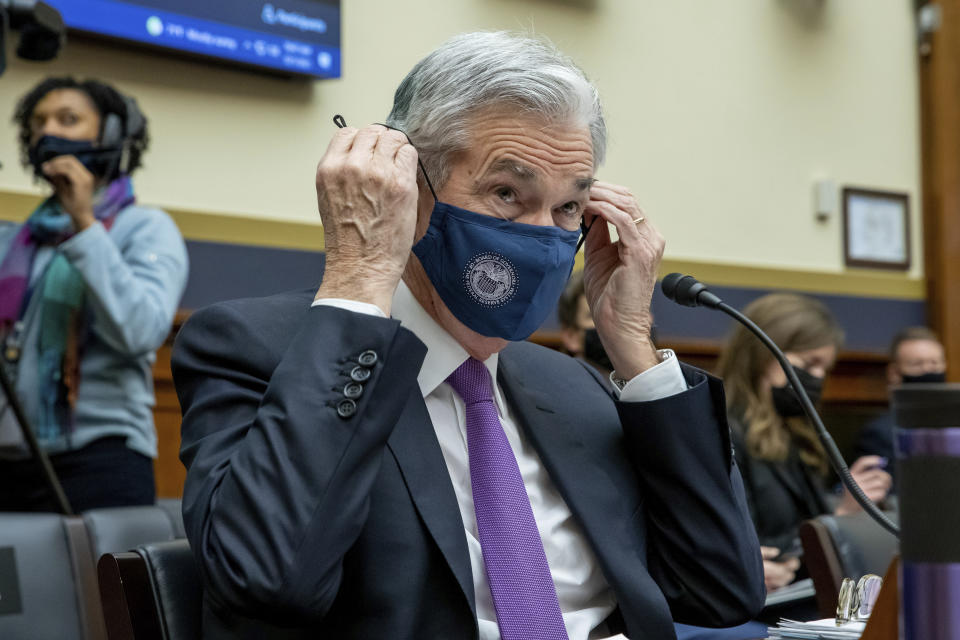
x=385, y=458
x=916, y=356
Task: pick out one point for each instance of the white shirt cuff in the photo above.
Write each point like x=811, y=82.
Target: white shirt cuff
x=658, y=382
x=351, y=305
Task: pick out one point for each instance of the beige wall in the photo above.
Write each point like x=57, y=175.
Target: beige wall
x=721, y=113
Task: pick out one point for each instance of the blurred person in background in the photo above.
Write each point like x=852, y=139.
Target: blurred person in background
x=782, y=460
x=578, y=334
x=89, y=285
x=916, y=356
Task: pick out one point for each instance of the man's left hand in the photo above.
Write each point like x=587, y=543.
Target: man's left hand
x=620, y=277
x=74, y=186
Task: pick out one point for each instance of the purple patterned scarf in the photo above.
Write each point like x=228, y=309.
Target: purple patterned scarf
x=60, y=296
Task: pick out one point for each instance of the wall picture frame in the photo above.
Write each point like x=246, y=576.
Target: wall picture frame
x=876, y=229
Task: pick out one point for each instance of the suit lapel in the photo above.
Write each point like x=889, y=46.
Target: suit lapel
x=592, y=474
x=414, y=446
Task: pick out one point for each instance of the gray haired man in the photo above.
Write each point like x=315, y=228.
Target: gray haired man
x=386, y=458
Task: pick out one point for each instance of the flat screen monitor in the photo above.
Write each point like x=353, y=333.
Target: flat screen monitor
x=299, y=37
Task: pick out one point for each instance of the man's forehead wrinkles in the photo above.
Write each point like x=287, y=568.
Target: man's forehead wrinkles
x=520, y=170
x=531, y=174
x=533, y=170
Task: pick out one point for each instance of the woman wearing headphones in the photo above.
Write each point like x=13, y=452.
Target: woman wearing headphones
x=88, y=289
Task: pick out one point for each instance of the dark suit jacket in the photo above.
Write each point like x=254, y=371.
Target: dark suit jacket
x=876, y=439
x=349, y=527
x=781, y=495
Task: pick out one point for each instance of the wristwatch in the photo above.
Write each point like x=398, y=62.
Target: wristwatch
x=620, y=383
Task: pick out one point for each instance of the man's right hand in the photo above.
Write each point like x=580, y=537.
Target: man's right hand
x=367, y=196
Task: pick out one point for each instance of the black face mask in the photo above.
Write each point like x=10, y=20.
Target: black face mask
x=593, y=350
x=100, y=161
x=785, y=401
x=925, y=378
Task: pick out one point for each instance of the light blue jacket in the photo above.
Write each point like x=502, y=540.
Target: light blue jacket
x=135, y=275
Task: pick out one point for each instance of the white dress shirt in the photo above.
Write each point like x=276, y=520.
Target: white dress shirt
x=586, y=599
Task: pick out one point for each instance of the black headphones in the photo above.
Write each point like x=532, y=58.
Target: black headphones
x=118, y=132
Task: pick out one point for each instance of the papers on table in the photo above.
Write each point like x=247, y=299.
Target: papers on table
x=817, y=630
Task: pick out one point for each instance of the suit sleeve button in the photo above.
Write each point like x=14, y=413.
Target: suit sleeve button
x=346, y=408
x=368, y=358
x=353, y=390
x=360, y=374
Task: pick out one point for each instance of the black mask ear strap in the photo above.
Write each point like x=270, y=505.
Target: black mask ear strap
x=340, y=122
x=584, y=230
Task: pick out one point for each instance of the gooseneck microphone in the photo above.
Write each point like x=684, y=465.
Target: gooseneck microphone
x=690, y=292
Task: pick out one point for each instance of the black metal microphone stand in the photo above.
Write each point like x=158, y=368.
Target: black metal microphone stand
x=833, y=453
x=689, y=292
x=38, y=454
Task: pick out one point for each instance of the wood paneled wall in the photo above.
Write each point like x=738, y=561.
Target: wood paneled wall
x=168, y=471
x=858, y=379
x=940, y=139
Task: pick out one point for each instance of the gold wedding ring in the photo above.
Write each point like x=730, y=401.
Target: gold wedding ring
x=639, y=220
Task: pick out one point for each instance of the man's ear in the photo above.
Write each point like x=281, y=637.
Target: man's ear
x=893, y=376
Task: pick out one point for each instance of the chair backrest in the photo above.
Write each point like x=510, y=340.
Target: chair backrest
x=838, y=547
x=173, y=509
x=47, y=579
x=118, y=529
x=153, y=593
x=123, y=528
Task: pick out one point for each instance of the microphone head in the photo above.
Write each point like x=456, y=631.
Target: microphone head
x=677, y=287
x=688, y=291
x=669, y=285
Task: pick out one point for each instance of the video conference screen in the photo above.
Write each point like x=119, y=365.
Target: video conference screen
x=290, y=36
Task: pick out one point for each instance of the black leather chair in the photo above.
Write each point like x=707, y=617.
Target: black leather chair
x=174, y=511
x=153, y=593
x=123, y=528
x=838, y=547
x=48, y=586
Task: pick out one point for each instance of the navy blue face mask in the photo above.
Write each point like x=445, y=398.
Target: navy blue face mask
x=100, y=161
x=499, y=278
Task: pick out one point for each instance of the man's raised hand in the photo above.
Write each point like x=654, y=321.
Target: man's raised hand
x=367, y=196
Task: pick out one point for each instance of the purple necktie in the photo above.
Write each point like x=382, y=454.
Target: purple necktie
x=517, y=569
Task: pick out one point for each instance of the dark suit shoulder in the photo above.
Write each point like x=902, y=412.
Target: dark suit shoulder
x=535, y=354
x=550, y=362
x=876, y=439
x=258, y=319
x=260, y=312
x=245, y=334
x=882, y=424
x=532, y=349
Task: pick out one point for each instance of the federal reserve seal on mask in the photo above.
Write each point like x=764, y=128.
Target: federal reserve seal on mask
x=490, y=279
